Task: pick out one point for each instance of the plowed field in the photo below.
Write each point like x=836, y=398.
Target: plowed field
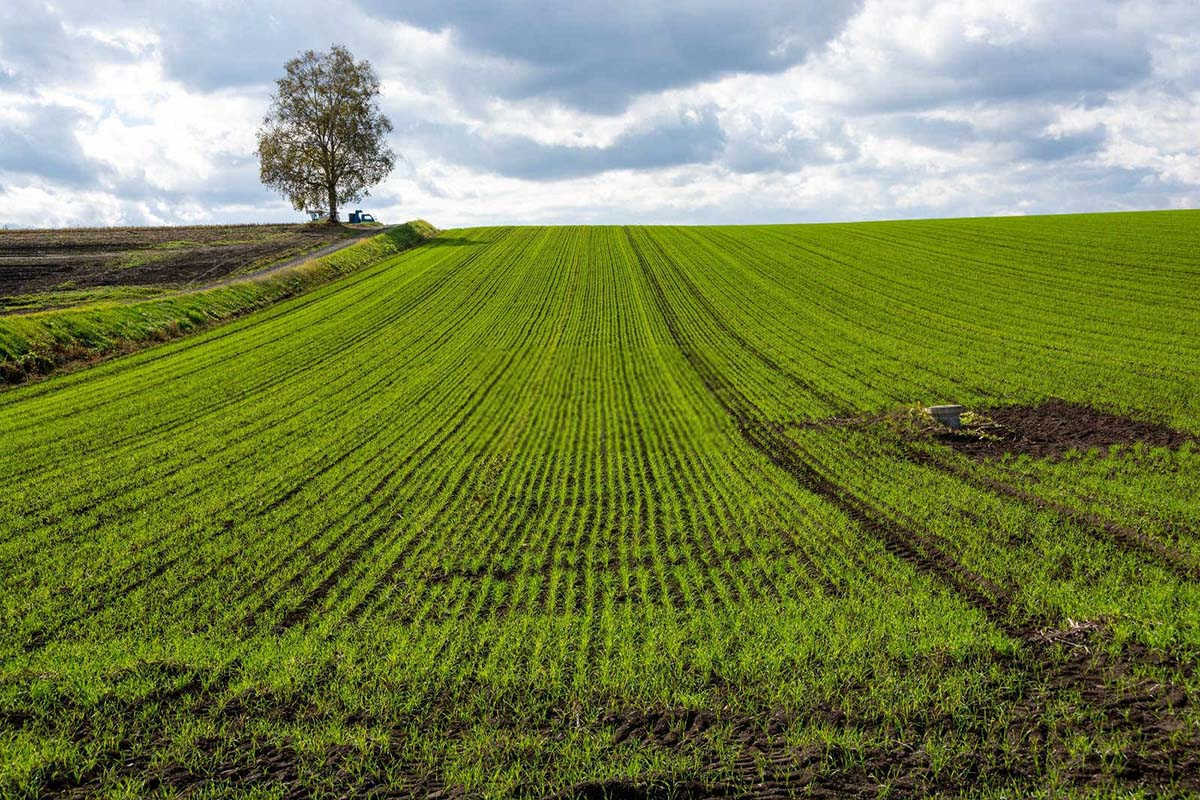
x=54, y=268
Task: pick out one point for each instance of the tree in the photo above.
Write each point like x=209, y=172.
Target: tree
x=323, y=139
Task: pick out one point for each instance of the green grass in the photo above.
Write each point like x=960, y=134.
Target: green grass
x=532, y=510
x=69, y=294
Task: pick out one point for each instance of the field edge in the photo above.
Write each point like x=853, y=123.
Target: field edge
x=41, y=344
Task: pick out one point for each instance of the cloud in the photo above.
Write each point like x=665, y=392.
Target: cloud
x=765, y=142
x=42, y=142
x=1054, y=147
x=686, y=137
x=617, y=111
x=930, y=131
x=907, y=56
x=223, y=44
x=598, y=55
x=37, y=47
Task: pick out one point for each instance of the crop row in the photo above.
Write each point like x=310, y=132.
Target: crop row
x=480, y=510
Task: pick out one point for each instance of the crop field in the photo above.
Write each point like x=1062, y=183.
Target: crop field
x=61, y=267
x=630, y=512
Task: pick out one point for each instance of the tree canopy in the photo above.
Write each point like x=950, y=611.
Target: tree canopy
x=324, y=139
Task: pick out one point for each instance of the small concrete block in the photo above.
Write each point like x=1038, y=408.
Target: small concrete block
x=948, y=415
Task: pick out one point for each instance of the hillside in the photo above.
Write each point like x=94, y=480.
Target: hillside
x=566, y=511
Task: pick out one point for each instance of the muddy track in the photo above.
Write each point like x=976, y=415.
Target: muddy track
x=192, y=271
x=294, y=261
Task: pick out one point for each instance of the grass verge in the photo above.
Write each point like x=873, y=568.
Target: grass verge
x=36, y=345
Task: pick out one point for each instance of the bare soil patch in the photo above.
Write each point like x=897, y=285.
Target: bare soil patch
x=34, y=261
x=1053, y=428
x=1049, y=429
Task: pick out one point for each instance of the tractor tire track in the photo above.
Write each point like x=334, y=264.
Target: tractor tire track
x=771, y=442
x=1096, y=525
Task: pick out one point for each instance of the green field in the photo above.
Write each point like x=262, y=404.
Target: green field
x=636, y=511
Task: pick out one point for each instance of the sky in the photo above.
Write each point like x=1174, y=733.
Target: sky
x=614, y=111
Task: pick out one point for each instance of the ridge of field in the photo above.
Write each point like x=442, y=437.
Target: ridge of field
x=623, y=511
x=40, y=342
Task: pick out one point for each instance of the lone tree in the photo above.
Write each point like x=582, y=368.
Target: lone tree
x=323, y=139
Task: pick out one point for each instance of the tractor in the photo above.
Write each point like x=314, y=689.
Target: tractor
x=358, y=216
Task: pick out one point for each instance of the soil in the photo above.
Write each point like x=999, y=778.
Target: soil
x=1055, y=662
x=1053, y=428
x=34, y=261
x=1128, y=693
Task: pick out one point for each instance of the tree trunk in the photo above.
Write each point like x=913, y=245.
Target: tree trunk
x=333, y=218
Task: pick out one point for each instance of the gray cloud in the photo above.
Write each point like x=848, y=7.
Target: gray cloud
x=987, y=91
x=248, y=43
x=598, y=55
x=1024, y=137
x=935, y=132
x=1054, y=148
x=690, y=137
x=233, y=182
x=203, y=45
x=45, y=146
x=772, y=143
x=36, y=48
x=1085, y=63
x=1079, y=53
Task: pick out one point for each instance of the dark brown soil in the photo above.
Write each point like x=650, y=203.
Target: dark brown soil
x=1053, y=428
x=41, y=260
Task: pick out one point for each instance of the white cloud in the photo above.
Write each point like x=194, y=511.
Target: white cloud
x=930, y=108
